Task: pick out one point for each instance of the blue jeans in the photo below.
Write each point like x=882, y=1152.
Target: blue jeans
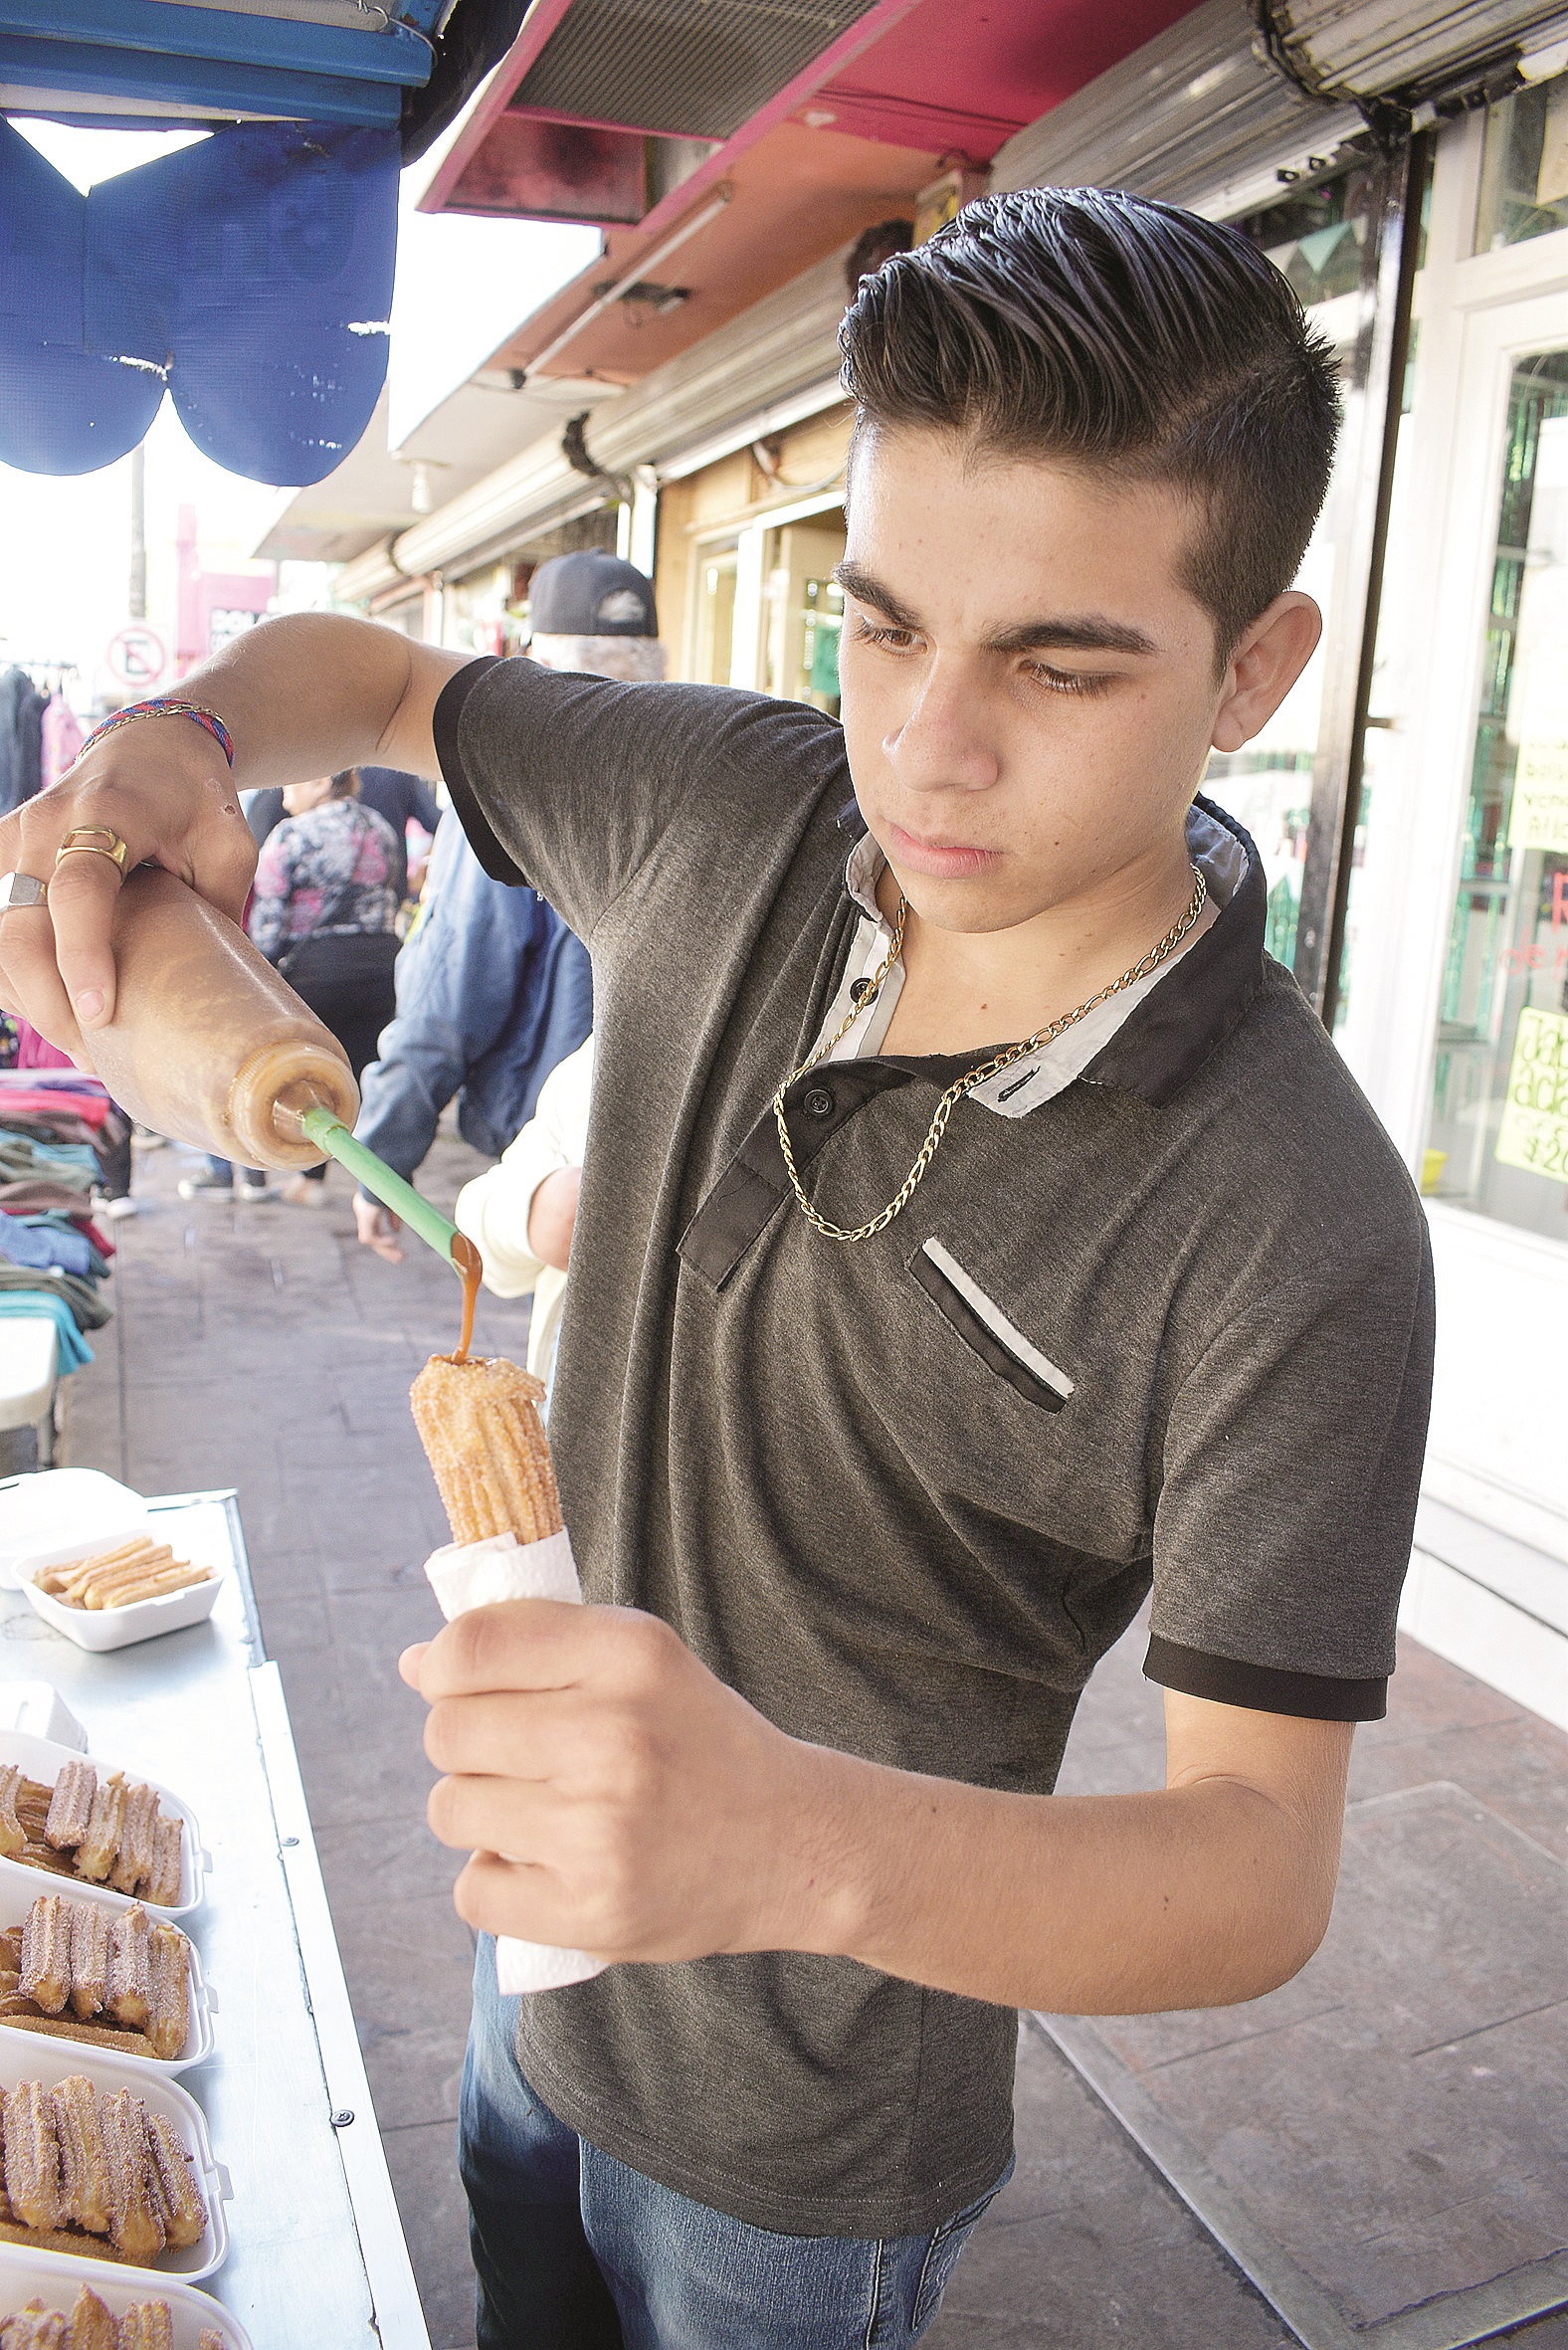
x=575, y=2250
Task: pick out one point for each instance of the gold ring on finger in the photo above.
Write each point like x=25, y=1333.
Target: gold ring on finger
x=75, y=843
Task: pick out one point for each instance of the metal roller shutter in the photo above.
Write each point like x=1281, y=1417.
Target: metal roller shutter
x=1205, y=115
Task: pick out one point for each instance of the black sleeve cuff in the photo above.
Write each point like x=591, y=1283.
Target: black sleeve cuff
x=1261, y=1689
x=476, y=823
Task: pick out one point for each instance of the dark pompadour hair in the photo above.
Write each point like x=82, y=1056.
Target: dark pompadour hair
x=1125, y=337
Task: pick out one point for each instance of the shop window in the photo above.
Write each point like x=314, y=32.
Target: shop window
x=1499, y=1137
x=1525, y=167
x=715, y=632
x=1315, y=235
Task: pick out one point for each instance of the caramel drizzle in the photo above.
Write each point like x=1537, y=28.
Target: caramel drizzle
x=470, y=1265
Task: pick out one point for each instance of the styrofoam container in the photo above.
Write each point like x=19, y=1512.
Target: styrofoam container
x=54, y=2277
x=101, y=1629
x=38, y=1708
x=63, y=1505
x=43, y=1761
x=15, y=1902
x=54, y=2060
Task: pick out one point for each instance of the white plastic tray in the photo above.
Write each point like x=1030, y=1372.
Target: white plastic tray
x=16, y=1900
x=103, y=1629
x=42, y=1760
x=54, y=2060
x=55, y=2276
x=60, y=1505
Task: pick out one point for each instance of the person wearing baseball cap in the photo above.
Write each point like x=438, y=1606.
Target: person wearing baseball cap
x=492, y=989
x=590, y=610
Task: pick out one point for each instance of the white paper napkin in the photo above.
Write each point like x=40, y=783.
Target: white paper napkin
x=477, y=1575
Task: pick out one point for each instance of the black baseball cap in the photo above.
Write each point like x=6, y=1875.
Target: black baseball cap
x=591, y=595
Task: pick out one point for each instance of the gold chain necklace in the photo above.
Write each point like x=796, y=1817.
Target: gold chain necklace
x=972, y=1078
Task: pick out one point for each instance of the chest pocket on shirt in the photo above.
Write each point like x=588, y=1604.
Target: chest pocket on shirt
x=986, y=1330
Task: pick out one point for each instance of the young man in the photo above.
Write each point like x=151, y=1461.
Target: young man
x=1075, y=1262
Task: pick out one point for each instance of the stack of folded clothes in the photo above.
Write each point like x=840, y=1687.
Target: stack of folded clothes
x=58, y=1131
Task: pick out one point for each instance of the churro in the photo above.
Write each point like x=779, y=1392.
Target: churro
x=82, y=2248
x=90, y=1934
x=163, y=1885
x=118, y=2036
x=139, y=1973
x=181, y=2204
x=135, y=1858
x=129, y=1953
x=71, y=1806
x=100, y=1845
x=86, y=2189
x=53, y=1864
x=168, y=1994
x=157, y=1583
x=57, y=2239
x=210, y=2339
x=32, y=2156
x=120, y=1578
x=13, y=1836
x=93, y=2327
x=79, y=2167
x=73, y=1582
x=34, y=2328
x=483, y=1437
x=46, y=1955
x=111, y=1830
x=32, y=1808
x=146, y=2325
x=134, y=2228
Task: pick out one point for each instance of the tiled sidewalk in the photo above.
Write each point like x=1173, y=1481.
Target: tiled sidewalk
x=262, y=1347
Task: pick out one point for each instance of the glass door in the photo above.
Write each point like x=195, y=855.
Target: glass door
x=804, y=611
x=1497, y=1141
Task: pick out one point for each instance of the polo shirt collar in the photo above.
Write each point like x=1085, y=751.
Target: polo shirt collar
x=1156, y=1035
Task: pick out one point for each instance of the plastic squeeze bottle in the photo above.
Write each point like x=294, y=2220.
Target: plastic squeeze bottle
x=207, y=1043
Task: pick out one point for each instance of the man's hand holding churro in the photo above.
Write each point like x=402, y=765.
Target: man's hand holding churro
x=658, y=1815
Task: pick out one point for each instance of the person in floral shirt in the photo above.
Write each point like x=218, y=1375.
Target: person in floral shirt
x=324, y=909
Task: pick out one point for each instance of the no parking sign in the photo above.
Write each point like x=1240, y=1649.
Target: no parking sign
x=137, y=656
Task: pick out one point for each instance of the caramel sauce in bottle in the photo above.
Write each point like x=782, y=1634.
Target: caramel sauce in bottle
x=208, y=1045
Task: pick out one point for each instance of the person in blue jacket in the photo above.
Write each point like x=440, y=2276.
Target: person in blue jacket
x=492, y=990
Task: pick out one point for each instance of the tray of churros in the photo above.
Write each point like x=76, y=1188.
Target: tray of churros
x=106, y=2164
x=118, y=1980
x=100, y=2310
x=114, y=1836
x=107, y=1594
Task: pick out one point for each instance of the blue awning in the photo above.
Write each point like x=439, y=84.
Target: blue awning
x=249, y=276
x=216, y=61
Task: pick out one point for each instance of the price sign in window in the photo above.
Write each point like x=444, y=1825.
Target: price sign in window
x=1534, y=1129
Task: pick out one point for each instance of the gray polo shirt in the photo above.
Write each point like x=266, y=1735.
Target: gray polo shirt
x=1163, y=1315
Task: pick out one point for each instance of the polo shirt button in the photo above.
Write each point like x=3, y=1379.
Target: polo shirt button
x=817, y=1103
x=859, y=991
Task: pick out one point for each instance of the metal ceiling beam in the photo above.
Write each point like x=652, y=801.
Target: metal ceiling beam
x=197, y=82
x=281, y=42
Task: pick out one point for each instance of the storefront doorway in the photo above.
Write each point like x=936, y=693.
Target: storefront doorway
x=1470, y=1066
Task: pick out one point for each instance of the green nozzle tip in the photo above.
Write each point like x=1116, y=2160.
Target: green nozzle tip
x=329, y=1135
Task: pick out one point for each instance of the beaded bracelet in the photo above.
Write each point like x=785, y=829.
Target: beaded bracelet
x=207, y=719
